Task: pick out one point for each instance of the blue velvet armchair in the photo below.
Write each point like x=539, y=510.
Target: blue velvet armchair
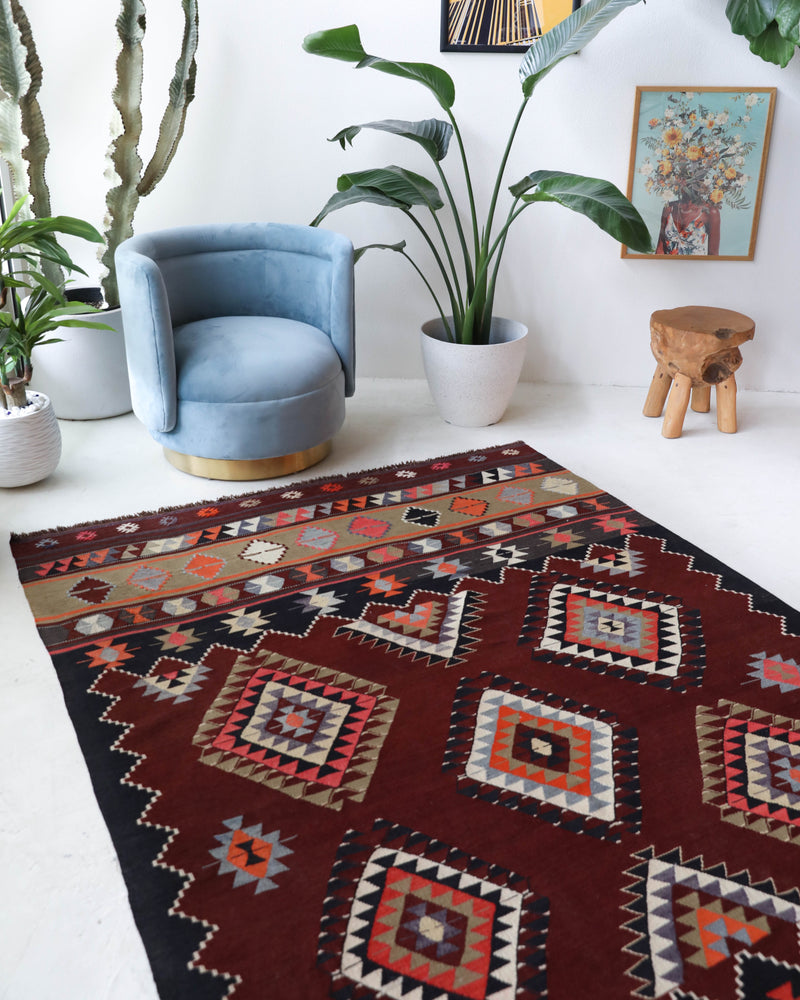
x=240, y=343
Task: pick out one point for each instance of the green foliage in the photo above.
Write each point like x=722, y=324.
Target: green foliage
x=33, y=305
x=22, y=130
x=771, y=26
x=469, y=269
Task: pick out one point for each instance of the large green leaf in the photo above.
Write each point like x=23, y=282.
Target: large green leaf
x=771, y=26
x=751, y=17
x=396, y=183
x=355, y=196
x=67, y=225
x=345, y=43
x=788, y=20
x=432, y=133
x=336, y=43
x=597, y=199
x=567, y=38
x=771, y=46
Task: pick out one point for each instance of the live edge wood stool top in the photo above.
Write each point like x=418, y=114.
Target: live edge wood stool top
x=696, y=347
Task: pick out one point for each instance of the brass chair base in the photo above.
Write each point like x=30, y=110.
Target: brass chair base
x=247, y=469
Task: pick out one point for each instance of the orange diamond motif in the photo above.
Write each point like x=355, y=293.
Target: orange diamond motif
x=206, y=567
x=469, y=505
x=250, y=853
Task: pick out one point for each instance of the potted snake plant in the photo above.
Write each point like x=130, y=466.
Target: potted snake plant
x=465, y=325
x=61, y=370
x=32, y=309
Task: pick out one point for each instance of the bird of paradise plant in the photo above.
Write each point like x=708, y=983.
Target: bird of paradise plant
x=469, y=269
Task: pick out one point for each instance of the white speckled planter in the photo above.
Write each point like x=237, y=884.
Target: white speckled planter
x=30, y=442
x=86, y=375
x=472, y=384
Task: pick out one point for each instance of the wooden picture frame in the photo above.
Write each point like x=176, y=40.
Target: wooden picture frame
x=499, y=25
x=697, y=166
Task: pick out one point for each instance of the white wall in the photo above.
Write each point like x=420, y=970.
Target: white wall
x=255, y=148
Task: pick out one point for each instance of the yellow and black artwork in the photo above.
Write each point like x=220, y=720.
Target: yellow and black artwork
x=492, y=25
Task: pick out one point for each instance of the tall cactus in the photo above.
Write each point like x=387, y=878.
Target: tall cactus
x=22, y=131
x=124, y=161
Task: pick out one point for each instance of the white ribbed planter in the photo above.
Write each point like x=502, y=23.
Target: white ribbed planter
x=30, y=442
x=472, y=384
x=86, y=375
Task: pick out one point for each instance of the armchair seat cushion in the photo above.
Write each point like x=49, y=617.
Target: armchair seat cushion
x=247, y=359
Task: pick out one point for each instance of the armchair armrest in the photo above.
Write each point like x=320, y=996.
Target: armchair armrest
x=149, y=343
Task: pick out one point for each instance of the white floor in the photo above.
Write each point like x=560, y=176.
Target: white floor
x=65, y=929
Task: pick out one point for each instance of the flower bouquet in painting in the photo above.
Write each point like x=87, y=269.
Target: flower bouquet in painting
x=698, y=161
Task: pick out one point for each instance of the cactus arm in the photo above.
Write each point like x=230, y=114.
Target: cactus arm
x=181, y=94
x=32, y=121
x=123, y=161
x=15, y=80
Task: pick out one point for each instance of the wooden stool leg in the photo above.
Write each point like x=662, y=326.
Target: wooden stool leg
x=676, y=406
x=701, y=398
x=657, y=393
x=726, y=405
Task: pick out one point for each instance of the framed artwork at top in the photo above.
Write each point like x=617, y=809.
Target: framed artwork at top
x=499, y=25
x=697, y=165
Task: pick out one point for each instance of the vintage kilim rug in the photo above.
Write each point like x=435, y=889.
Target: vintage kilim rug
x=459, y=729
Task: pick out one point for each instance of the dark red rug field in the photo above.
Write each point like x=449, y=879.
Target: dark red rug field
x=464, y=728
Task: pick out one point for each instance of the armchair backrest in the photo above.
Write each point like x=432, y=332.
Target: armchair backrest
x=176, y=276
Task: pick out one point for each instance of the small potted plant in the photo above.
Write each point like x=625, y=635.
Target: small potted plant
x=466, y=334
x=31, y=308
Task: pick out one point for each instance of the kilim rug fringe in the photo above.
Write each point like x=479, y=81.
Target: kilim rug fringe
x=467, y=728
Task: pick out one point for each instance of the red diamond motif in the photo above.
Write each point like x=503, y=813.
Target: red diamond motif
x=369, y=527
x=91, y=590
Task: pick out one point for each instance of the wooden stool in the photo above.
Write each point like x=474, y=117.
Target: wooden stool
x=696, y=347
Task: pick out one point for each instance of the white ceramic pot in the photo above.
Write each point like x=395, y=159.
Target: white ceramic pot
x=30, y=442
x=86, y=375
x=472, y=384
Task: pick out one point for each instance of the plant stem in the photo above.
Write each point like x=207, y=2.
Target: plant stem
x=468, y=181
x=454, y=271
x=448, y=331
x=468, y=266
x=454, y=302
x=502, y=169
x=497, y=252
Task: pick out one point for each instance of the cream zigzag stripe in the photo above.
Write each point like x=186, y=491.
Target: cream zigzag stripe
x=718, y=585
x=171, y=831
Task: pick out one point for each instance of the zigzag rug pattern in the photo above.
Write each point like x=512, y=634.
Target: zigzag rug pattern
x=460, y=729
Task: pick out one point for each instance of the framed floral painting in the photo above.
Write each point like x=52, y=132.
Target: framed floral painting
x=698, y=159
x=499, y=25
